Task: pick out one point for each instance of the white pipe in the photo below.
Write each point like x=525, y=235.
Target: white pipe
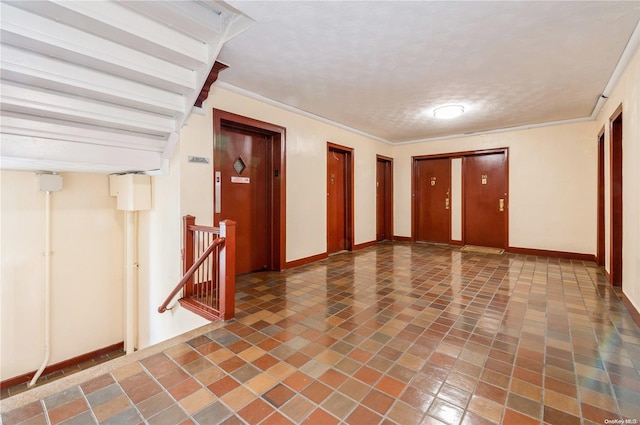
x=47, y=289
x=131, y=281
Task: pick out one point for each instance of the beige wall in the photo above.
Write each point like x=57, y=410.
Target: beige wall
x=627, y=93
x=86, y=270
x=552, y=176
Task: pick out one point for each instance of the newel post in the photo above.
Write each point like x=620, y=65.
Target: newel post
x=187, y=249
x=228, y=269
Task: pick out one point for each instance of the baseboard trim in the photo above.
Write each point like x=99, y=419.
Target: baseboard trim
x=554, y=254
x=302, y=261
x=364, y=245
x=635, y=314
x=456, y=243
x=402, y=238
x=17, y=380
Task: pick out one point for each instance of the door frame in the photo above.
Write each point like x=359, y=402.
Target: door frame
x=349, y=193
x=276, y=196
x=388, y=195
x=600, y=253
x=616, y=202
x=463, y=155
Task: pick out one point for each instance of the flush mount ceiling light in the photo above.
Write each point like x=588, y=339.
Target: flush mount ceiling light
x=448, y=111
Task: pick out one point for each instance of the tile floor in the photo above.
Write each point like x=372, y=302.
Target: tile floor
x=393, y=334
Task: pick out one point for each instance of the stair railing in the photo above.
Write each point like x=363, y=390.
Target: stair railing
x=208, y=283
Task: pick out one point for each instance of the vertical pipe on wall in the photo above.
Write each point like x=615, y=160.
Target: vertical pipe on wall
x=131, y=280
x=47, y=288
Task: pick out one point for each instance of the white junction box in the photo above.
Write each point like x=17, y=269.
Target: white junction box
x=133, y=191
x=49, y=182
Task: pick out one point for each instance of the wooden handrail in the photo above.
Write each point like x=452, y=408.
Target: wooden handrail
x=190, y=272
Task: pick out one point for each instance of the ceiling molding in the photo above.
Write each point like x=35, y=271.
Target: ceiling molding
x=497, y=130
x=295, y=110
x=630, y=50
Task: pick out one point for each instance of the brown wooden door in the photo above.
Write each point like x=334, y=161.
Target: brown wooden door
x=485, y=200
x=244, y=167
x=601, y=230
x=433, y=213
x=383, y=199
x=336, y=201
x=615, y=268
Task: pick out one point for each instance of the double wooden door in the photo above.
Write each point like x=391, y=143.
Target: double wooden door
x=483, y=198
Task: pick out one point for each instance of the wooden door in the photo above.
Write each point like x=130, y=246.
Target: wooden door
x=336, y=200
x=384, y=200
x=243, y=168
x=615, y=266
x=601, y=228
x=485, y=200
x=432, y=187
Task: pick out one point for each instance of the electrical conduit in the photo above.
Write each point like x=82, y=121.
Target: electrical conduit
x=47, y=289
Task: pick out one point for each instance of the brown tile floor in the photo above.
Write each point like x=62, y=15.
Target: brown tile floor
x=393, y=334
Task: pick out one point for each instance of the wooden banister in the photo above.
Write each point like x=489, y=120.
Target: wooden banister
x=190, y=272
x=208, y=283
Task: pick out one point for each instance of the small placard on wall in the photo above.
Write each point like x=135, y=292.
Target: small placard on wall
x=198, y=159
x=236, y=179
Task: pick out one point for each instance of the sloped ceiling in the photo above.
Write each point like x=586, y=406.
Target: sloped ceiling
x=104, y=86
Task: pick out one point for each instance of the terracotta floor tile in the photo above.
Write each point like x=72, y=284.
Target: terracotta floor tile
x=558, y=417
x=446, y=412
x=185, y=388
x=298, y=381
x=320, y=416
x=196, y=401
x=238, y=398
x=256, y=411
x=397, y=333
x=153, y=405
x=317, y=392
x=297, y=408
x=278, y=395
x=22, y=414
x=377, y=401
x=111, y=408
x=66, y=411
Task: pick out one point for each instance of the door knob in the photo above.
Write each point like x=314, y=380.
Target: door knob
x=446, y=203
x=501, y=204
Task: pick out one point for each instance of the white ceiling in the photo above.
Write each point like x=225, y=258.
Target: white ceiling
x=105, y=86
x=377, y=66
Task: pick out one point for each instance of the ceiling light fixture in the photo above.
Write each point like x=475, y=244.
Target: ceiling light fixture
x=448, y=111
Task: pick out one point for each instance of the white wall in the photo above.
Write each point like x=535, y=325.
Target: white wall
x=627, y=93
x=552, y=180
x=86, y=270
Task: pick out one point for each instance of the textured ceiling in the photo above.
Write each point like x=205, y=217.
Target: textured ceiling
x=378, y=66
